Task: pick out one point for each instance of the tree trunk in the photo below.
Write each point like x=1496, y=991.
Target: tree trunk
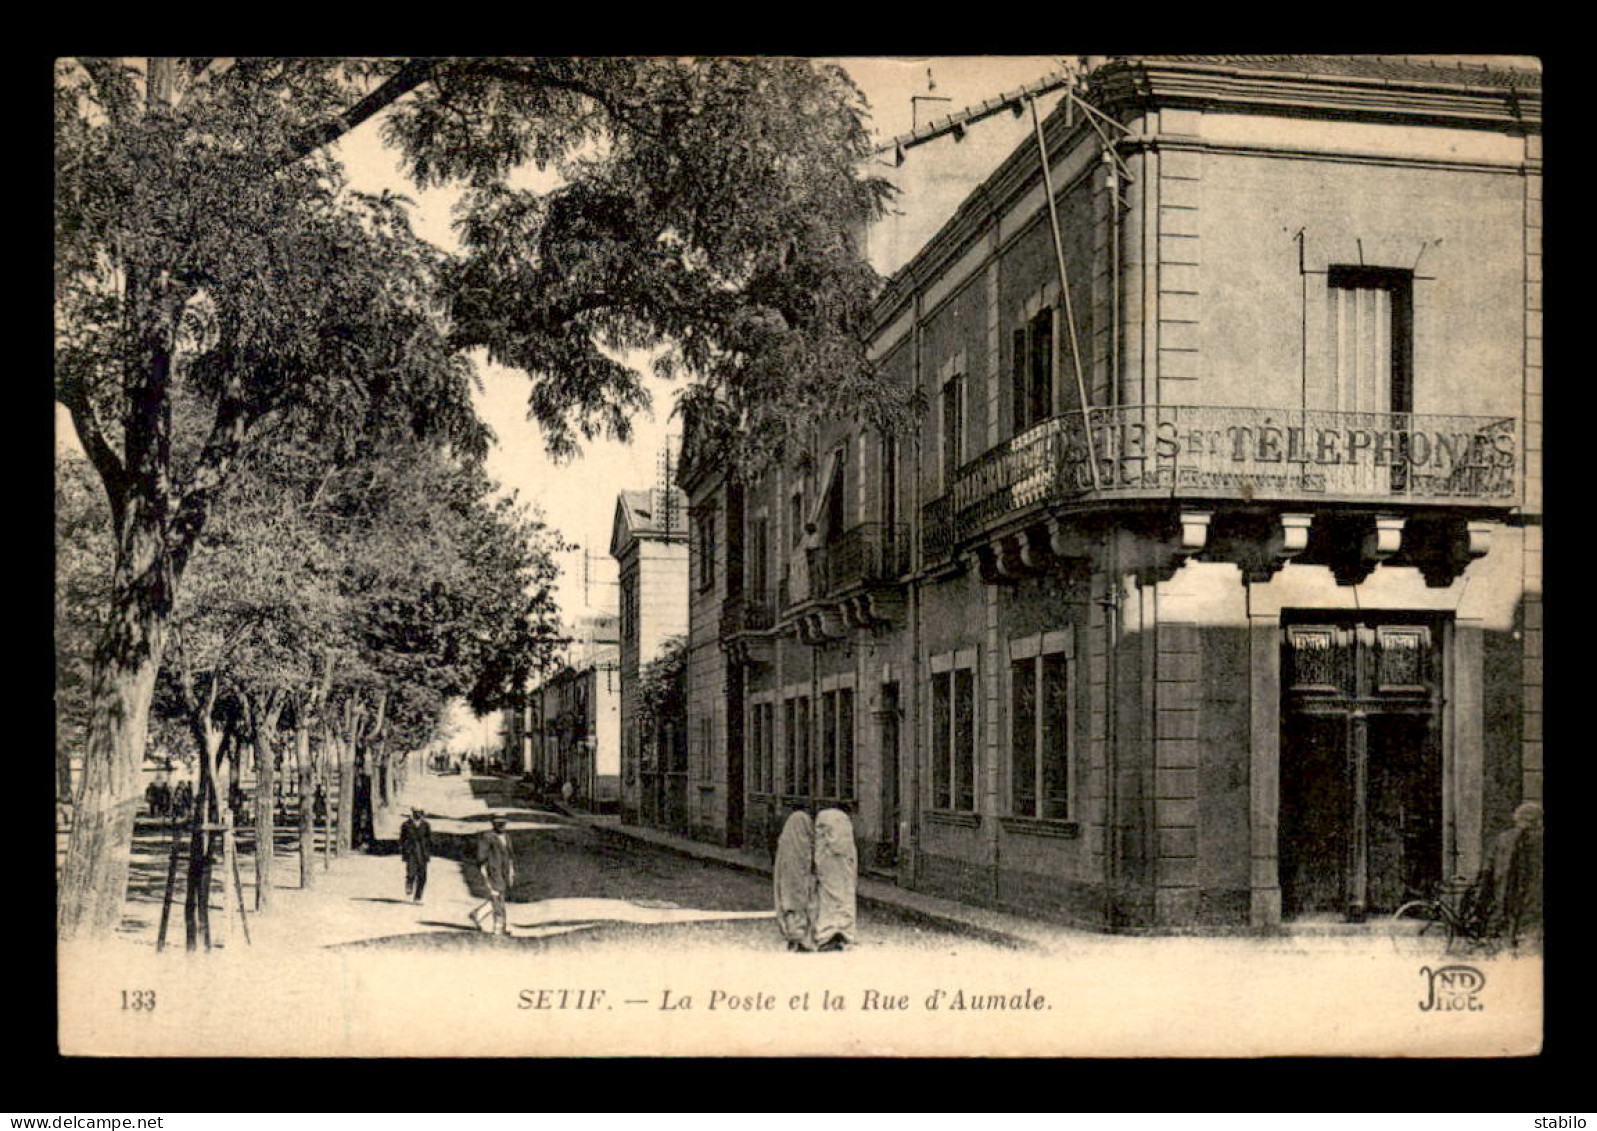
x=207, y=811
x=94, y=877
x=347, y=825
x=307, y=792
x=149, y=559
x=263, y=726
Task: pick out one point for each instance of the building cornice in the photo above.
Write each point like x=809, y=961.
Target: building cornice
x=1136, y=85
x=1128, y=88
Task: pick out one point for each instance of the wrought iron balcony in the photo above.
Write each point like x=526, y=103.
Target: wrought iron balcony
x=753, y=610
x=1179, y=451
x=871, y=552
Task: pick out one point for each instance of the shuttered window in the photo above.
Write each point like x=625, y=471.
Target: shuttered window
x=1372, y=339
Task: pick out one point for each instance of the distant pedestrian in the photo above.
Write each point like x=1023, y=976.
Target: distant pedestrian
x=415, y=845
x=319, y=805
x=183, y=800
x=794, y=881
x=567, y=792
x=836, y=880
x=498, y=867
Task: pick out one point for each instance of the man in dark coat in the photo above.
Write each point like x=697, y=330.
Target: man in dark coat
x=415, y=845
x=498, y=867
x=1510, y=891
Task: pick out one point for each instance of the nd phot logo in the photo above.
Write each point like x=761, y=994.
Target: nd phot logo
x=1451, y=989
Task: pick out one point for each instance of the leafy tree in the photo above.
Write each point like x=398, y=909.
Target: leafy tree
x=708, y=210
x=214, y=272
x=202, y=287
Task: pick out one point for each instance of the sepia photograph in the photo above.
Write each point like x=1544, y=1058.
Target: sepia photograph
x=959, y=556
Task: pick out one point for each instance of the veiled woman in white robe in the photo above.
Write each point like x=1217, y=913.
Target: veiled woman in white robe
x=836, y=878
x=794, y=878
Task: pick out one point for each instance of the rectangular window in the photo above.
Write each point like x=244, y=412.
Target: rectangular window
x=953, y=426
x=1040, y=684
x=1023, y=738
x=829, y=744
x=889, y=484
x=768, y=745
x=1372, y=338
x=942, y=739
x=954, y=739
x=845, y=743
x=706, y=741
x=757, y=763
x=790, y=745
x=759, y=554
x=1032, y=370
x=964, y=739
x=806, y=780
x=706, y=540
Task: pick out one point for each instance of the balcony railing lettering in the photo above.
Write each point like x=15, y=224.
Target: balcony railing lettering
x=1249, y=453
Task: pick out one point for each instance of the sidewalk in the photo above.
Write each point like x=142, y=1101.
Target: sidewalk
x=995, y=926
x=361, y=896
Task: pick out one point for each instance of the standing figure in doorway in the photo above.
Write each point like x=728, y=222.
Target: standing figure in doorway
x=415, y=845
x=794, y=880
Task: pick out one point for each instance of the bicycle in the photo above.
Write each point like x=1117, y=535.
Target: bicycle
x=1451, y=916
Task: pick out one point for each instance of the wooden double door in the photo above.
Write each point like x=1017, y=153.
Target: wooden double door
x=1361, y=806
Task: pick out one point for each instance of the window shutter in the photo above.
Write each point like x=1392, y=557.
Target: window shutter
x=1018, y=380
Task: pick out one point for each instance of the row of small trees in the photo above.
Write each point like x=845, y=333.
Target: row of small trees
x=237, y=330
x=330, y=610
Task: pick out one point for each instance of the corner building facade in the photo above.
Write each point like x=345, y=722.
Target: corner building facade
x=1208, y=595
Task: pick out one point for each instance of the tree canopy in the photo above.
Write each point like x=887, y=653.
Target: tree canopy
x=216, y=275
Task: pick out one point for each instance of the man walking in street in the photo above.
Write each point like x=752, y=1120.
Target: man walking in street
x=415, y=845
x=498, y=869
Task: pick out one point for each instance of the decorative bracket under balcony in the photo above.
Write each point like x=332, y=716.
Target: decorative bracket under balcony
x=1442, y=548
x=873, y=608
x=821, y=626
x=757, y=650
x=1262, y=544
x=1170, y=553
x=1357, y=548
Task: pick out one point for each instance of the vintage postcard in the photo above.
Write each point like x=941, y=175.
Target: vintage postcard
x=1009, y=556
